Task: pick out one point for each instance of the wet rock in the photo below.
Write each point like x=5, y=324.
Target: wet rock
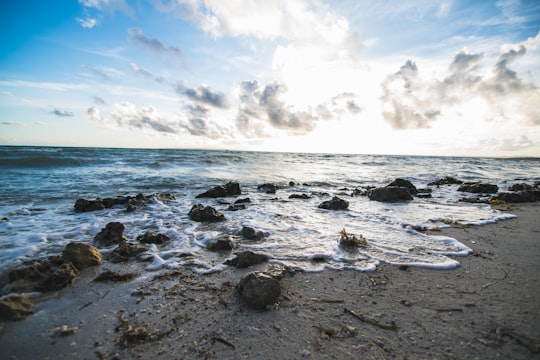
x=151, y=237
x=125, y=252
x=521, y=187
x=259, y=290
x=522, y=196
x=32, y=270
x=81, y=255
x=205, y=214
x=390, y=194
x=242, y=201
x=109, y=275
x=246, y=259
x=111, y=234
x=62, y=277
x=334, y=204
x=268, y=188
x=479, y=188
x=15, y=307
x=251, y=234
x=446, y=181
x=404, y=183
x=299, y=196
x=230, y=189
x=84, y=205
x=220, y=244
x=236, y=207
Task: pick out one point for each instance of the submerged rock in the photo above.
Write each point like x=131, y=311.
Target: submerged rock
x=125, y=252
x=268, y=188
x=151, y=237
x=230, y=189
x=15, y=307
x=446, y=181
x=404, y=183
x=479, y=188
x=246, y=259
x=334, y=204
x=390, y=194
x=85, y=205
x=220, y=244
x=299, y=196
x=111, y=234
x=81, y=255
x=201, y=213
x=259, y=290
x=251, y=234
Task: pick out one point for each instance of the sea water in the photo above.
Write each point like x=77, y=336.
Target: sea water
x=39, y=186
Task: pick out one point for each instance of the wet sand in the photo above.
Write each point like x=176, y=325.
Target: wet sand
x=487, y=308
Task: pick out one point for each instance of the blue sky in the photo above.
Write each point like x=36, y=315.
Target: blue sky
x=441, y=77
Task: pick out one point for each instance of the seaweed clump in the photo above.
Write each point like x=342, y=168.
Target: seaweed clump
x=351, y=241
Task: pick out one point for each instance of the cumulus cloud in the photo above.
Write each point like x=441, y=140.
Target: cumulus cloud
x=108, y=5
x=137, y=36
x=63, y=113
x=202, y=95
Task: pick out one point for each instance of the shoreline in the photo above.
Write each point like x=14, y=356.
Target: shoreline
x=488, y=307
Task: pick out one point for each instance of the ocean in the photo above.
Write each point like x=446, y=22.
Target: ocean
x=39, y=187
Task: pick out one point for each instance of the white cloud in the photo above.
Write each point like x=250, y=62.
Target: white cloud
x=87, y=23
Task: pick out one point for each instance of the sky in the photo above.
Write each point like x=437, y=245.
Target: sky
x=418, y=77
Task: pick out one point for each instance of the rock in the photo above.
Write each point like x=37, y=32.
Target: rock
x=15, y=307
x=111, y=234
x=242, y=201
x=251, y=234
x=60, y=278
x=446, y=181
x=230, y=189
x=479, y=188
x=220, y=244
x=31, y=270
x=390, y=194
x=200, y=213
x=334, y=204
x=236, y=207
x=404, y=183
x=246, y=259
x=81, y=255
x=84, y=205
x=299, y=196
x=521, y=187
x=268, y=188
x=109, y=275
x=259, y=290
x=522, y=196
x=151, y=237
x=125, y=252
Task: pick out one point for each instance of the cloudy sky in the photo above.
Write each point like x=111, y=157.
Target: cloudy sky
x=431, y=77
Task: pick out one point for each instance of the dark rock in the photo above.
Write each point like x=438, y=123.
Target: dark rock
x=109, y=275
x=475, y=200
x=131, y=208
x=446, y=181
x=62, y=277
x=236, y=207
x=522, y=196
x=403, y=183
x=230, y=189
x=521, y=187
x=84, y=205
x=335, y=204
x=359, y=192
x=268, y=188
x=246, y=259
x=242, y=201
x=111, y=234
x=220, y=244
x=390, y=194
x=31, y=270
x=125, y=252
x=15, y=307
x=200, y=213
x=259, y=290
x=299, y=196
x=292, y=183
x=81, y=255
x=479, y=188
x=151, y=237
x=251, y=234
x=424, y=195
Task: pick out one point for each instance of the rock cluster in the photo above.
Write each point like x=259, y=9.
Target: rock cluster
x=85, y=205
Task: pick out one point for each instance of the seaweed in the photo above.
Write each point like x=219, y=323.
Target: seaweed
x=351, y=241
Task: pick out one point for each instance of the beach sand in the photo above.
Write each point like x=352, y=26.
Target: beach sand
x=487, y=308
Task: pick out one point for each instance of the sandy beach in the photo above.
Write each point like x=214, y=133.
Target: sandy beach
x=487, y=308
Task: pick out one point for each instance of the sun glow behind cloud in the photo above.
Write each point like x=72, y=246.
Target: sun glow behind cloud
x=391, y=77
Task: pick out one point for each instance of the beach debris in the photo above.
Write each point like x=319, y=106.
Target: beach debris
x=201, y=213
x=111, y=234
x=151, y=237
x=259, y=290
x=392, y=326
x=232, y=188
x=268, y=188
x=126, y=251
x=223, y=340
x=64, y=331
x=335, y=204
x=479, y=188
x=81, y=255
x=60, y=278
x=224, y=243
x=15, y=307
x=109, y=275
x=351, y=241
x=448, y=180
x=390, y=194
x=251, y=234
x=246, y=259
x=346, y=331
x=128, y=333
x=404, y=183
x=496, y=337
